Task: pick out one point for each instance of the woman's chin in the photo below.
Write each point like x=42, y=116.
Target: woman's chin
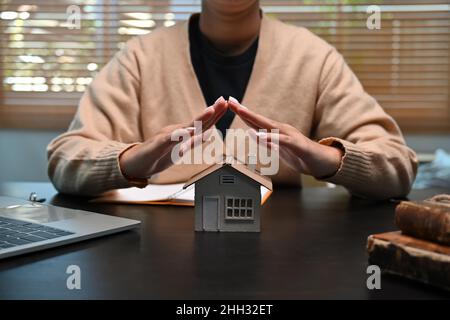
x=228, y=7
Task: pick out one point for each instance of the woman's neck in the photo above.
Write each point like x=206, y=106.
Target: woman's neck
x=230, y=34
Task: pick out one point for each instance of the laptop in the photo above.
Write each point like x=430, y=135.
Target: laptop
x=30, y=226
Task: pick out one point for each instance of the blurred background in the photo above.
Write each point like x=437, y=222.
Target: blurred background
x=48, y=56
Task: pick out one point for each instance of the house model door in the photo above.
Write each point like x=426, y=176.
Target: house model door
x=210, y=213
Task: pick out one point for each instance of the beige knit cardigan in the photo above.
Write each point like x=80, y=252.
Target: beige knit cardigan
x=297, y=79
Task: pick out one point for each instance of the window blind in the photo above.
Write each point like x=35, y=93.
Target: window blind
x=48, y=56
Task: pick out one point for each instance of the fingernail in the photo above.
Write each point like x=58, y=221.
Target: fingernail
x=233, y=99
x=220, y=99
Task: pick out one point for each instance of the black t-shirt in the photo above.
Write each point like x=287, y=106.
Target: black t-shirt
x=219, y=75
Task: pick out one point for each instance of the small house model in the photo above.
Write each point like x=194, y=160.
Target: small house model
x=228, y=198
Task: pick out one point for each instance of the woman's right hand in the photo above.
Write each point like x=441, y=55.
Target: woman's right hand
x=154, y=155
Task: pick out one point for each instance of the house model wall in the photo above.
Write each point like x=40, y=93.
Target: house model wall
x=228, y=198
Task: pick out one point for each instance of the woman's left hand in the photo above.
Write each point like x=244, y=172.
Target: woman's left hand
x=298, y=151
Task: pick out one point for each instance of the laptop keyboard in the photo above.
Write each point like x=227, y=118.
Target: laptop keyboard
x=18, y=232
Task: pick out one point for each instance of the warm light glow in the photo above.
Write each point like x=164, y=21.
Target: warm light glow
x=83, y=81
x=38, y=80
x=56, y=88
x=16, y=44
x=8, y=15
x=138, y=23
x=30, y=87
x=39, y=31
x=18, y=23
x=24, y=80
x=169, y=23
x=69, y=88
x=139, y=15
x=16, y=37
x=31, y=59
x=92, y=66
x=56, y=80
x=132, y=31
x=45, y=23
x=40, y=87
x=169, y=16
x=66, y=59
x=24, y=15
x=68, y=81
x=22, y=87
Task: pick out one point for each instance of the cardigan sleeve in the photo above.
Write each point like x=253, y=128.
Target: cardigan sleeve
x=377, y=163
x=84, y=160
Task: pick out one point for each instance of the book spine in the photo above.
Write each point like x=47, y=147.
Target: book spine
x=415, y=264
x=424, y=222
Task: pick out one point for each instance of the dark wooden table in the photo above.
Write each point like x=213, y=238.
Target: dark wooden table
x=312, y=245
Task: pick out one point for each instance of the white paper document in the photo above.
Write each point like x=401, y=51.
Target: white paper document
x=168, y=194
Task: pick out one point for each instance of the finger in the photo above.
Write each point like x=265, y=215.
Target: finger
x=207, y=134
x=195, y=140
x=263, y=137
x=253, y=134
x=235, y=108
x=181, y=133
x=207, y=114
x=259, y=136
x=251, y=124
x=191, y=143
x=293, y=161
x=271, y=142
x=165, y=142
x=164, y=161
x=254, y=118
x=170, y=141
x=286, y=154
x=284, y=141
x=220, y=107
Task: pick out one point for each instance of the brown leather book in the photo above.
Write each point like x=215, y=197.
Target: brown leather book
x=429, y=219
x=412, y=258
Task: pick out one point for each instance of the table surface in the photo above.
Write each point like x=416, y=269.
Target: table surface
x=312, y=245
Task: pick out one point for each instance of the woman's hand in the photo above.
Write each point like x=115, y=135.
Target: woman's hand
x=299, y=152
x=154, y=155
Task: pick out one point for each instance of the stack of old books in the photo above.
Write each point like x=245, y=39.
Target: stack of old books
x=421, y=250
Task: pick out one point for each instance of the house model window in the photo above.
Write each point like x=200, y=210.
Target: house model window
x=228, y=198
x=239, y=208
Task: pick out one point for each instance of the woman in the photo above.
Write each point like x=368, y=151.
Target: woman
x=287, y=79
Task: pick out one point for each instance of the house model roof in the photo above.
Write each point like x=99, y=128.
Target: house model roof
x=242, y=168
